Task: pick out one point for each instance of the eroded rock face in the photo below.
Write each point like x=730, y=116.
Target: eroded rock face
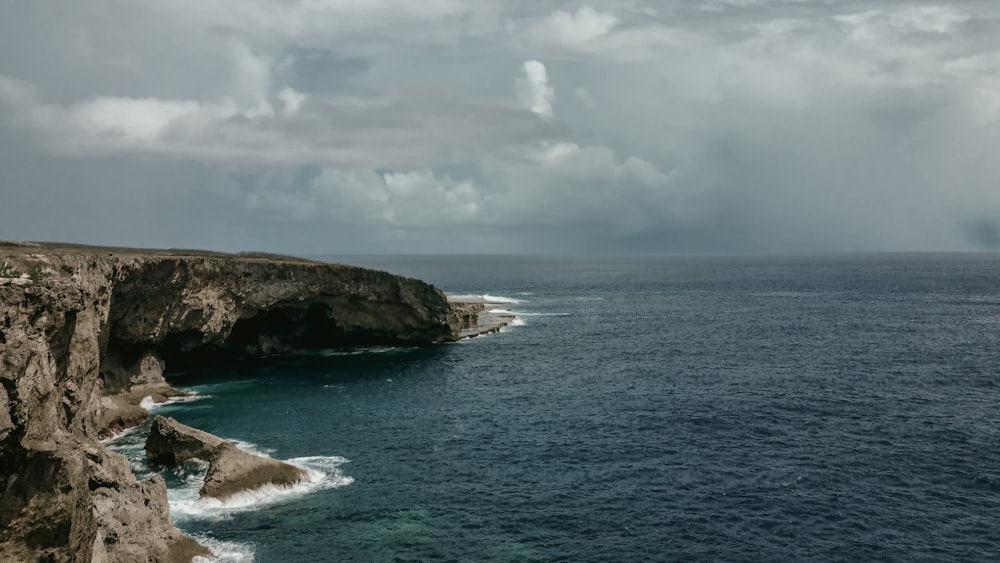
x=63, y=495
x=188, y=311
x=86, y=335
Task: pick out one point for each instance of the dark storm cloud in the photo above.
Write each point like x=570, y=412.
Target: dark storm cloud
x=985, y=233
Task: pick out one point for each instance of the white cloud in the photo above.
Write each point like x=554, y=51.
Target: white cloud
x=333, y=132
x=130, y=120
x=411, y=198
x=576, y=28
x=928, y=19
x=533, y=90
x=291, y=99
x=572, y=186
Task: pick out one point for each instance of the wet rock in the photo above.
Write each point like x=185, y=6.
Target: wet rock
x=173, y=443
x=230, y=469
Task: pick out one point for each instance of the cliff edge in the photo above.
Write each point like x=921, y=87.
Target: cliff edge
x=85, y=333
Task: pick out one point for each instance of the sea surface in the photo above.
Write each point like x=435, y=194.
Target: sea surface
x=652, y=408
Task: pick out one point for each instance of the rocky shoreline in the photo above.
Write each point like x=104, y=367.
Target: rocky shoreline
x=85, y=335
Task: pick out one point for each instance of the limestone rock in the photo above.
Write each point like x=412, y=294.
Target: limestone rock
x=232, y=470
x=173, y=443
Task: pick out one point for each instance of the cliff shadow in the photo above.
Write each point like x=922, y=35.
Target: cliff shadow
x=337, y=365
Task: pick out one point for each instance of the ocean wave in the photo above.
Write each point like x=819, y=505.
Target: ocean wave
x=150, y=405
x=251, y=448
x=501, y=299
x=116, y=437
x=322, y=472
x=530, y=314
x=486, y=298
x=224, y=551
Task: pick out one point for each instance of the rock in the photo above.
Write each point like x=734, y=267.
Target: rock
x=173, y=443
x=472, y=318
x=6, y=424
x=87, y=339
x=230, y=469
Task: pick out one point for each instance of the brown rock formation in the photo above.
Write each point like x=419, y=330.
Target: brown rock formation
x=63, y=496
x=172, y=443
x=83, y=337
x=470, y=319
x=230, y=469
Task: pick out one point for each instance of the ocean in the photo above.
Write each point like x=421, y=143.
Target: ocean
x=642, y=408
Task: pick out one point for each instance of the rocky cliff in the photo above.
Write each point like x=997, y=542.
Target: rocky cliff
x=86, y=333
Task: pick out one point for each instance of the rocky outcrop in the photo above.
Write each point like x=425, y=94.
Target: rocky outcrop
x=84, y=335
x=63, y=496
x=172, y=443
x=230, y=469
x=470, y=318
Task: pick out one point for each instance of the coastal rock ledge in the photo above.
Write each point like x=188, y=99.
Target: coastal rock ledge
x=85, y=335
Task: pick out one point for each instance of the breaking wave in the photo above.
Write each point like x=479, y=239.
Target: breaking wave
x=486, y=298
x=322, y=472
x=224, y=551
x=150, y=405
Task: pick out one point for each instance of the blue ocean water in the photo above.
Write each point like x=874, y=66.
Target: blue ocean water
x=832, y=408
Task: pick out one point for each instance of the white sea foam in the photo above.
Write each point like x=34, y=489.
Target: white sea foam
x=322, y=472
x=116, y=437
x=530, y=314
x=500, y=299
x=150, y=405
x=486, y=298
x=224, y=551
x=253, y=448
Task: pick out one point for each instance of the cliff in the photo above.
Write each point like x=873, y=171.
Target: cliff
x=86, y=333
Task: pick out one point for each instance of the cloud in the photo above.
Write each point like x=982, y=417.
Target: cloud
x=533, y=90
x=984, y=233
x=327, y=131
x=291, y=99
x=710, y=125
x=576, y=28
x=410, y=198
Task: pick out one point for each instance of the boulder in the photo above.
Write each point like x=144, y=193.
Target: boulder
x=230, y=469
x=173, y=443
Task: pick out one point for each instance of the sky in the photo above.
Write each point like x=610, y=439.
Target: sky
x=481, y=126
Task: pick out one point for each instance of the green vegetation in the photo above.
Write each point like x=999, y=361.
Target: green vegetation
x=35, y=273
x=6, y=271
x=14, y=267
